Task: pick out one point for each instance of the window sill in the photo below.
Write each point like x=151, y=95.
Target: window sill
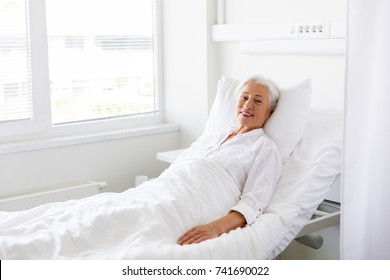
x=54, y=142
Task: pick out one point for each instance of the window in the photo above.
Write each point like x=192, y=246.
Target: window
x=76, y=62
x=15, y=64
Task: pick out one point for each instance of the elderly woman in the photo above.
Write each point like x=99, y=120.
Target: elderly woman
x=247, y=154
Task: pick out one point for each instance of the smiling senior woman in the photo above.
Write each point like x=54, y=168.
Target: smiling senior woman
x=247, y=154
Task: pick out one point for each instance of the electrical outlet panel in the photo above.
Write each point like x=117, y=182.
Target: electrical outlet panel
x=286, y=30
x=310, y=29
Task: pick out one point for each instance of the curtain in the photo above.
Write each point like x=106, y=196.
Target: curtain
x=365, y=217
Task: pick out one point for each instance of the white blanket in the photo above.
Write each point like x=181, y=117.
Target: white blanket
x=141, y=223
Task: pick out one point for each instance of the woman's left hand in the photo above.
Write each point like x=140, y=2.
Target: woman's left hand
x=199, y=233
x=214, y=229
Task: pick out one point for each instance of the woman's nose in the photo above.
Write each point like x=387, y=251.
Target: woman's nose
x=248, y=103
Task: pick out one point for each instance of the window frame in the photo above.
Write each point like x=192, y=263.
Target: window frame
x=40, y=125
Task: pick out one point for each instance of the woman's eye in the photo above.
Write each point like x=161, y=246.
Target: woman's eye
x=259, y=101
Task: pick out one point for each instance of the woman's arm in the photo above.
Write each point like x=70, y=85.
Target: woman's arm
x=214, y=229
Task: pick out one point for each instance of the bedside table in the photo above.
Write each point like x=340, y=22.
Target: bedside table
x=169, y=156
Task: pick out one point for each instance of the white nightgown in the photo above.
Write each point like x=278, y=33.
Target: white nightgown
x=251, y=159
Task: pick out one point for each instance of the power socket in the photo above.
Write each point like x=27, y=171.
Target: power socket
x=310, y=29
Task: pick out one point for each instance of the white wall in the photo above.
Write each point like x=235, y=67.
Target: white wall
x=245, y=11
x=190, y=66
x=116, y=162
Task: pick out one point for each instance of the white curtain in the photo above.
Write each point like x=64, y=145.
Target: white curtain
x=365, y=217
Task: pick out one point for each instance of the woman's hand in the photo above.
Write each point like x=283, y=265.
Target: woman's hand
x=199, y=233
x=214, y=229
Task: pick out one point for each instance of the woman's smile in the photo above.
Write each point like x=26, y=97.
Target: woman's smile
x=253, y=106
x=246, y=113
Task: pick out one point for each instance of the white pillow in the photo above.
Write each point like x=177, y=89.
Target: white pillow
x=287, y=123
x=285, y=126
x=222, y=114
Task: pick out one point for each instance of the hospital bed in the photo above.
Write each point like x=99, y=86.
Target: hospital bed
x=141, y=224
x=307, y=202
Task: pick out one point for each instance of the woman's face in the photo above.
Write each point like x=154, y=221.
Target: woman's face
x=253, y=106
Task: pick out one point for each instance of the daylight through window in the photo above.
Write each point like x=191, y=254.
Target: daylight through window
x=101, y=60
x=73, y=61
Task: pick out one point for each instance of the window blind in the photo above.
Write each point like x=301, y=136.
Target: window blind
x=15, y=61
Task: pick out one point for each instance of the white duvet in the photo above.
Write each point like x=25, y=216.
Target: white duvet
x=141, y=223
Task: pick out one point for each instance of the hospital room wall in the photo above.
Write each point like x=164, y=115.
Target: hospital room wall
x=191, y=63
x=116, y=162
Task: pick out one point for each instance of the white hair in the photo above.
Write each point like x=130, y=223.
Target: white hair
x=273, y=91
